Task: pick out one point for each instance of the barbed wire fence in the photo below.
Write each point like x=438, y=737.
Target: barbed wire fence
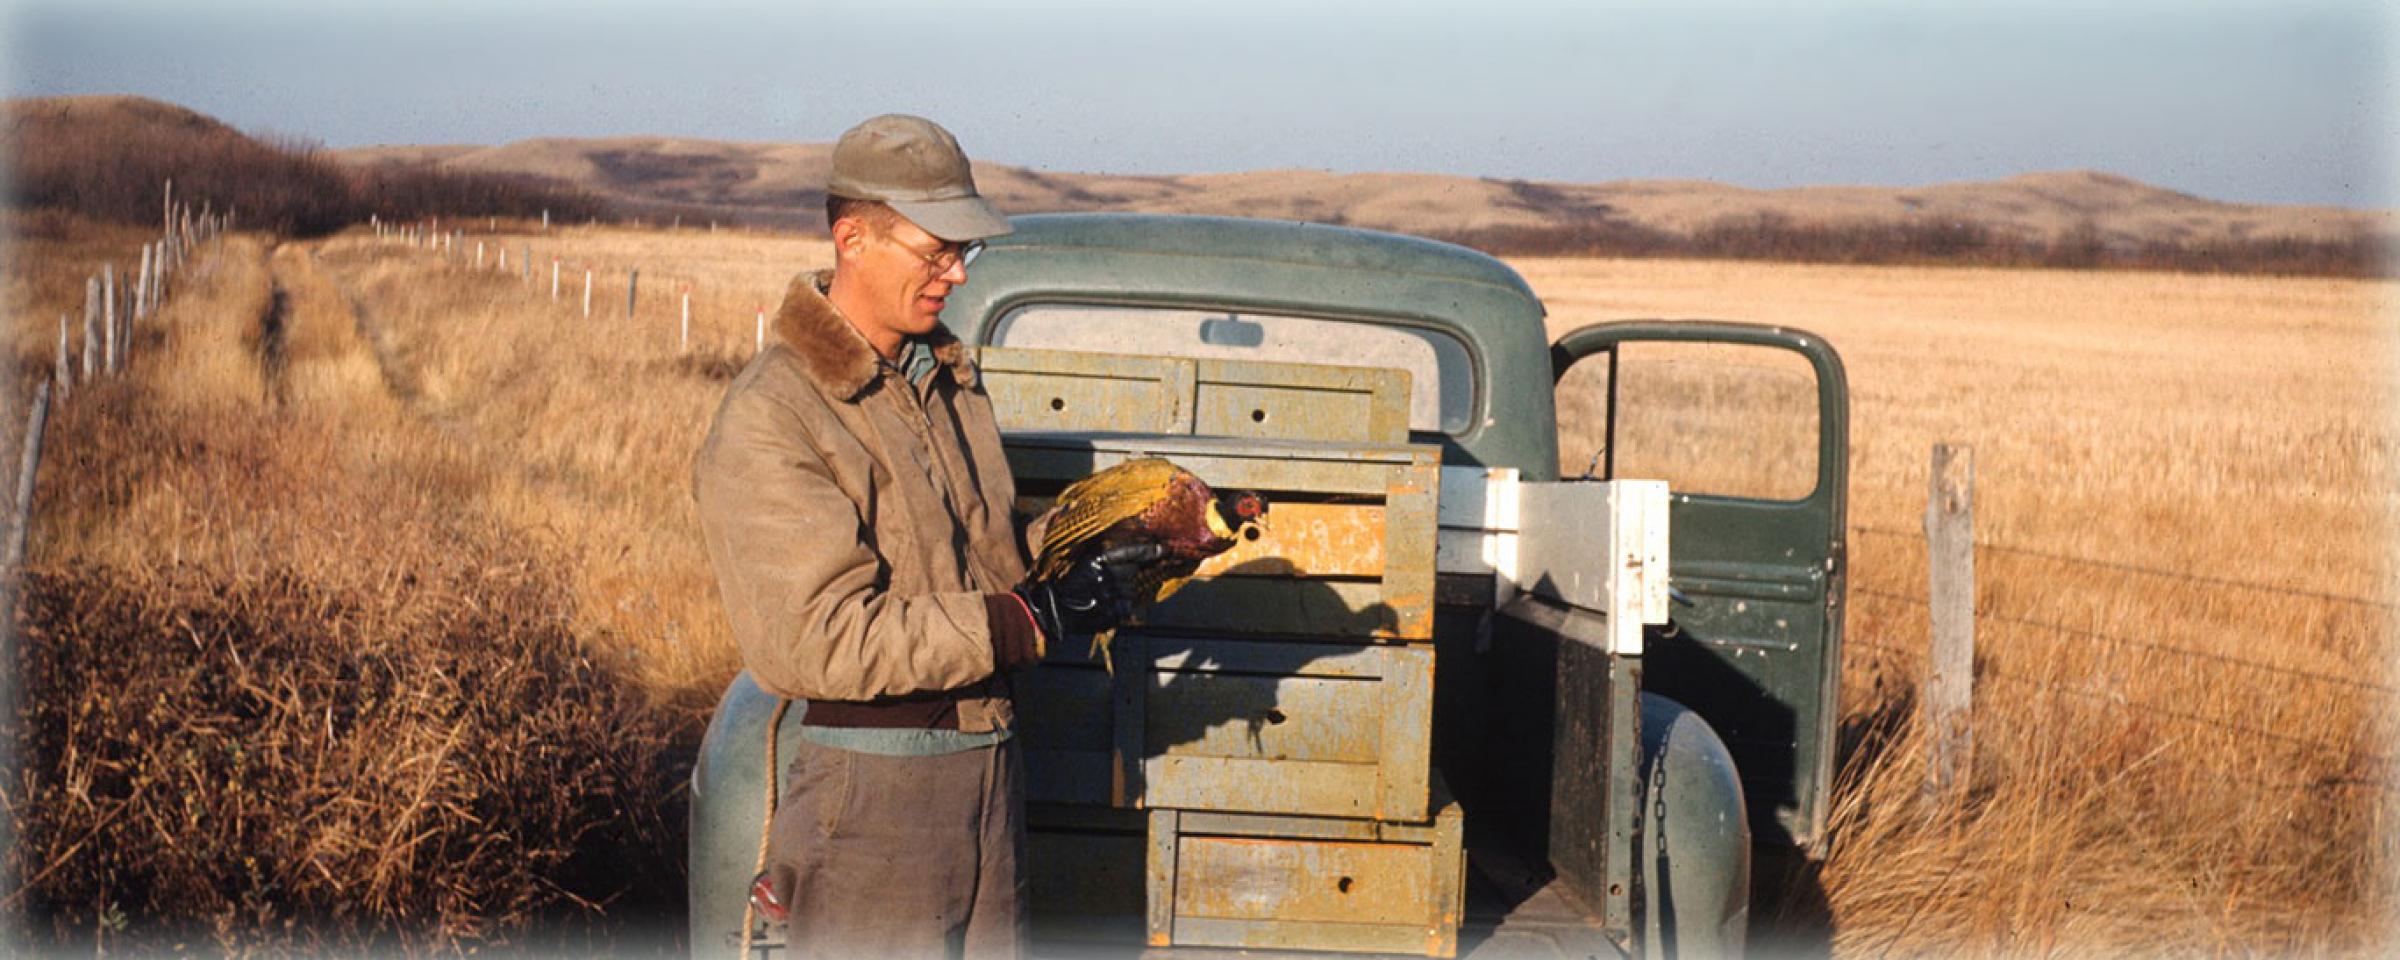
x=574, y=280
x=2379, y=765
x=2159, y=572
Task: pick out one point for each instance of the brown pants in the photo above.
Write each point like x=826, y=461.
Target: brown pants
x=882, y=856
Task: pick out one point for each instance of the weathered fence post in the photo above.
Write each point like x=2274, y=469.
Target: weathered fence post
x=141, y=286
x=633, y=279
x=553, y=279
x=1950, y=570
x=108, y=316
x=528, y=260
x=478, y=254
x=682, y=344
x=158, y=276
x=91, y=323
x=60, y=372
x=758, y=341
x=22, y=519
x=587, y=292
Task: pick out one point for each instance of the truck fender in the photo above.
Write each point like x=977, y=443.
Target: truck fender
x=1693, y=850
x=728, y=812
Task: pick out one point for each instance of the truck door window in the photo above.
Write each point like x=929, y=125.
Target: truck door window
x=1712, y=418
x=1441, y=378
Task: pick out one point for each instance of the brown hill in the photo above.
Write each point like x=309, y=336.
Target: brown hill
x=110, y=157
x=779, y=183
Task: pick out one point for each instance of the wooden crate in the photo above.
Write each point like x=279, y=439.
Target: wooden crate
x=1317, y=729
x=1347, y=549
x=1056, y=390
x=1307, y=883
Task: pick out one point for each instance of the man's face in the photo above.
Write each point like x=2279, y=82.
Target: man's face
x=901, y=283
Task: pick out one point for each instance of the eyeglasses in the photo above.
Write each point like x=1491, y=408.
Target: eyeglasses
x=950, y=255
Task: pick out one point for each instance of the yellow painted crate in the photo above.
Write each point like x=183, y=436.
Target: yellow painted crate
x=1059, y=390
x=1315, y=729
x=1307, y=883
x=1347, y=549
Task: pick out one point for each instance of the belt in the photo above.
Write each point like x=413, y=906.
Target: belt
x=894, y=714
x=923, y=711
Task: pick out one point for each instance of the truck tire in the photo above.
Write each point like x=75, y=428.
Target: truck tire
x=1694, y=843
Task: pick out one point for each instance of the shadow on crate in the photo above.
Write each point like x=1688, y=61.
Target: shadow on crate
x=1216, y=684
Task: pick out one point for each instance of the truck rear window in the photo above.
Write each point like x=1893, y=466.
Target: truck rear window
x=1441, y=376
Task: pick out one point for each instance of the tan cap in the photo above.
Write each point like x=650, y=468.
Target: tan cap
x=916, y=167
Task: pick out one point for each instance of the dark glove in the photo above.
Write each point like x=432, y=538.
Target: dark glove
x=1093, y=595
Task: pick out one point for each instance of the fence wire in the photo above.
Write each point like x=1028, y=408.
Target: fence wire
x=2181, y=651
x=2149, y=571
x=2119, y=702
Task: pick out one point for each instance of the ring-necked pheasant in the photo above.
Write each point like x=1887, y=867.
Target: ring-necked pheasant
x=1146, y=500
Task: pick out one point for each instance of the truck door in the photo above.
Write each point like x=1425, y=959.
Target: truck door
x=1749, y=426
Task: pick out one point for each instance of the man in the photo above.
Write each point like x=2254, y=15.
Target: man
x=858, y=513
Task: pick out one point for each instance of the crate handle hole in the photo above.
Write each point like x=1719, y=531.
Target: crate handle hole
x=1058, y=403
x=1258, y=416
x=1342, y=884
x=1250, y=533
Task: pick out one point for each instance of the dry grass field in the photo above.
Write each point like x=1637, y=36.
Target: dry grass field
x=365, y=474
x=2185, y=489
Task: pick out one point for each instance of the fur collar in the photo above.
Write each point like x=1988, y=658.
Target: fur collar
x=835, y=354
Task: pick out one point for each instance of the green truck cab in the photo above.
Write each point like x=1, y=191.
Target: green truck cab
x=1460, y=703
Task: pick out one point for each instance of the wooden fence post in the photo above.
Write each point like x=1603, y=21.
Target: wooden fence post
x=1950, y=570
x=91, y=324
x=22, y=519
x=528, y=259
x=108, y=316
x=60, y=372
x=587, y=292
x=683, y=345
x=758, y=341
x=633, y=280
x=553, y=279
x=158, y=275
x=141, y=286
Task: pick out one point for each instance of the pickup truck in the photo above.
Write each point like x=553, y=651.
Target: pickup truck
x=1494, y=685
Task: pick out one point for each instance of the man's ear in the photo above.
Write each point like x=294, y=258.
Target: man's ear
x=849, y=235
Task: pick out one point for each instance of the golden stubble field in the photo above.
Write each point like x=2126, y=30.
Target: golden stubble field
x=2185, y=486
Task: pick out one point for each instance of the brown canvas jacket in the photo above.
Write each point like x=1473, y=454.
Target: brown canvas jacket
x=856, y=521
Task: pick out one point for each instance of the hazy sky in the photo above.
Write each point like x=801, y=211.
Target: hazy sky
x=2294, y=101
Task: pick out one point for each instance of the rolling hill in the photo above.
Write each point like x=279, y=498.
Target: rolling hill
x=779, y=183
x=106, y=155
